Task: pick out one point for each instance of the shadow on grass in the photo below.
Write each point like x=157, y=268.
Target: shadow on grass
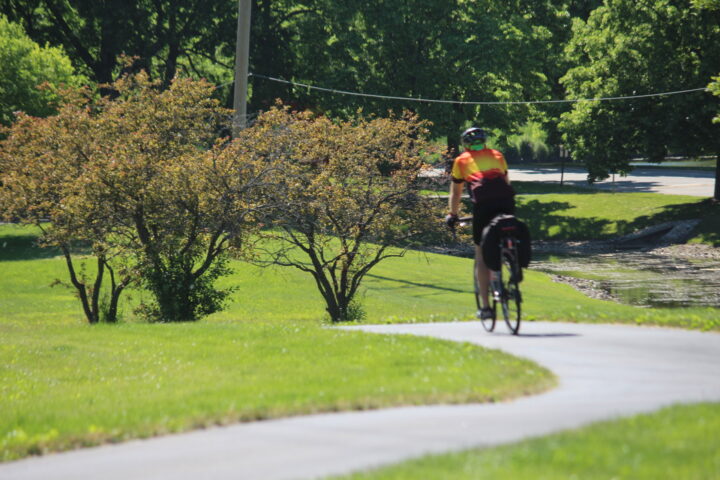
x=543, y=218
x=24, y=247
x=538, y=188
x=416, y=284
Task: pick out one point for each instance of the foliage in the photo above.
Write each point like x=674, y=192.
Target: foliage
x=715, y=89
x=163, y=35
x=529, y=145
x=25, y=67
x=141, y=180
x=709, y=4
x=627, y=48
x=347, y=198
x=485, y=50
x=42, y=164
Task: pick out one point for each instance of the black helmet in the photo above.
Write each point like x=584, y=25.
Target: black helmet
x=473, y=136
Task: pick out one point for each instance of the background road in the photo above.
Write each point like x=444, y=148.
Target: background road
x=697, y=183
x=605, y=371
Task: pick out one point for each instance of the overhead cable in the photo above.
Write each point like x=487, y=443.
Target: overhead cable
x=462, y=102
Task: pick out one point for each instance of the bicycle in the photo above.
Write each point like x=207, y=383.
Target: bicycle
x=504, y=288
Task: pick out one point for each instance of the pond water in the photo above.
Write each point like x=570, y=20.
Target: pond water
x=644, y=279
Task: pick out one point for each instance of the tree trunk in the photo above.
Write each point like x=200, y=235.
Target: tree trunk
x=115, y=291
x=173, y=49
x=95, y=304
x=112, y=310
x=80, y=287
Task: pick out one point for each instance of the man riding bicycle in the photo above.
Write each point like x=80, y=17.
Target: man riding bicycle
x=486, y=173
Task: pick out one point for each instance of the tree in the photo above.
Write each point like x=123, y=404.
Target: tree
x=148, y=182
x=627, y=48
x=335, y=214
x=486, y=50
x=25, y=67
x=42, y=162
x=715, y=89
x=97, y=33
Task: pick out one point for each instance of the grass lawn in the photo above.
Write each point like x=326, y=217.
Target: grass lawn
x=575, y=213
x=601, y=215
x=66, y=384
x=680, y=442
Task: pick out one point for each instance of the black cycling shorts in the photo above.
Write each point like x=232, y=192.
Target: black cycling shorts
x=486, y=210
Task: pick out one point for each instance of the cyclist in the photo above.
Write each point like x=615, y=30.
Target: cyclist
x=485, y=172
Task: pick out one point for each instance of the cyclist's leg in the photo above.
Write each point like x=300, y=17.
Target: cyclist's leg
x=482, y=273
x=483, y=212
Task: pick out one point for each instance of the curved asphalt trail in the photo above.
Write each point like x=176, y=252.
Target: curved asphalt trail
x=605, y=371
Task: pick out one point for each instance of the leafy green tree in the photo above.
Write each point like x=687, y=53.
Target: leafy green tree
x=43, y=164
x=627, y=48
x=143, y=181
x=335, y=213
x=487, y=50
x=715, y=89
x=26, y=66
x=162, y=35
x=709, y=4
x=529, y=145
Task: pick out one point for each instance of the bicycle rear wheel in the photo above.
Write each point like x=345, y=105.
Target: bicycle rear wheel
x=487, y=323
x=511, y=297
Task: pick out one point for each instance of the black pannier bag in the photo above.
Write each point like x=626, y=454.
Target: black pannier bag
x=493, y=233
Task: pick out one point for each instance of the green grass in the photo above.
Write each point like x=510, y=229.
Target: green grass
x=576, y=213
x=680, y=442
x=66, y=384
x=599, y=215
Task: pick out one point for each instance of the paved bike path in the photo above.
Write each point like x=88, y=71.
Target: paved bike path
x=605, y=371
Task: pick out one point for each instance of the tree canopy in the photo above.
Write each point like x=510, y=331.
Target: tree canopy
x=348, y=197
x=141, y=183
x=160, y=35
x=627, y=48
x=457, y=50
x=30, y=74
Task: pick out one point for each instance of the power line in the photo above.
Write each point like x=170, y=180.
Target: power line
x=460, y=102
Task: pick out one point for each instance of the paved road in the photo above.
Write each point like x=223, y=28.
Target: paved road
x=697, y=183
x=605, y=372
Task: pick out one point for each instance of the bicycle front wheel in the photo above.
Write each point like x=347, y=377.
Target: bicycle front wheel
x=511, y=300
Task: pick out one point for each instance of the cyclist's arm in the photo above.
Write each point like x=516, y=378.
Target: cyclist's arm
x=507, y=170
x=456, y=190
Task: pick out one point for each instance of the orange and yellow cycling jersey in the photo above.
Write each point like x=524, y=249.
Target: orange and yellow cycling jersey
x=475, y=165
x=485, y=171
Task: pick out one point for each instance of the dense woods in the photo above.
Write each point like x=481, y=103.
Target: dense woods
x=484, y=51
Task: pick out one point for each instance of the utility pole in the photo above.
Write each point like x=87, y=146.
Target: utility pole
x=242, y=54
x=563, y=155
x=716, y=196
